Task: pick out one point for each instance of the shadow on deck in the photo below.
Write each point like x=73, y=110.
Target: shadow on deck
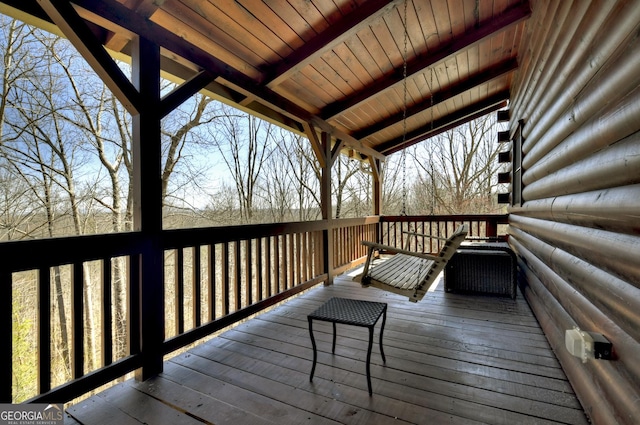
x=455, y=359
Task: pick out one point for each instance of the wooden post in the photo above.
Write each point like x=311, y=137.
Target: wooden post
x=492, y=228
x=147, y=199
x=376, y=169
x=327, y=207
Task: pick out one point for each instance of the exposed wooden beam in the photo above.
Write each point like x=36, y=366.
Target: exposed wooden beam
x=346, y=138
x=448, y=122
x=335, y=150
x=30, y=13
x=336, y=34
x=147, y=8
x=83, y=39
x=496, y=25
x=375, y=167
x=184, y=91
x=178, y=68
x=316, y=144
x=442, y=96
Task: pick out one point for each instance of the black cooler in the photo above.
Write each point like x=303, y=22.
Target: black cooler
x=482, y=268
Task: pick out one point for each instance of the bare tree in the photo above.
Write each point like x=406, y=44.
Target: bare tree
x=457, y=170
x=290, y=184
x=304, y=169
x=44, y=155
x=245, y=143
x=394, y=184
x=351, y=187
x=182, y=143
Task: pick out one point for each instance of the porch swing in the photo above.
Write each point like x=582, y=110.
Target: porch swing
x=409, y=272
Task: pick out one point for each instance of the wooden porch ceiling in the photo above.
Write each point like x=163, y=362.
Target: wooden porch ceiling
x=332, y=66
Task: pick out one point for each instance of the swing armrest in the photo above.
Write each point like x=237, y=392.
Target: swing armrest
x=424, y=235
x=377, y=246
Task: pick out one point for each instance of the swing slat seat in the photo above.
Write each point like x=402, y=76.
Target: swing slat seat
x=407, y=272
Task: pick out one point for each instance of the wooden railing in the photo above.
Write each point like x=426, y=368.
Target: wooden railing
x=209, y=279
x=398, y=231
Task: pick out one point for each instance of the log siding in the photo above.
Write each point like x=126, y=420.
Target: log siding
x=577, y=232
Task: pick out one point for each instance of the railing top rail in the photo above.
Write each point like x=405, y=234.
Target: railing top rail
x=34, y=253
x=29, y=254
x=499, y=218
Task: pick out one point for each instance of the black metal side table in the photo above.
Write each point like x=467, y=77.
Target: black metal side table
x=350, y=312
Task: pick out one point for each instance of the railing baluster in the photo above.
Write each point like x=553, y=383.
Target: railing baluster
x=211, y=282
x=305, y=255
x=276, y=266
x=196, y=285
x=298, y=260
x=179, y=289
x=237, y=291
x=269, y=267
x=282, y=262
x=107, y=313
x=133, y=303
x=224, y=287
x=291, y=262
x=259, y=268
x=248, y=271
x=44, y=330
x=319, y=269
x=77, y=319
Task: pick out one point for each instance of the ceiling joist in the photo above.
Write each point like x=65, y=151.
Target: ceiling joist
x=440, y=97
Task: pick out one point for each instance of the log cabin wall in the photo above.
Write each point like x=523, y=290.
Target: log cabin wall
x=575, y=219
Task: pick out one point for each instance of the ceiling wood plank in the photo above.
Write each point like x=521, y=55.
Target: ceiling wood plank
x=75, y=29
x=441, y=96
x=502, y=22
x=337, y=33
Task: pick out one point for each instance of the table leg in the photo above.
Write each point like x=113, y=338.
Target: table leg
x=384, y=320
x=313, y=343
x=369, y=359
x=333, y=346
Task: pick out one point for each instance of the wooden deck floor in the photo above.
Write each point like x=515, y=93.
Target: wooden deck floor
x=451, y=359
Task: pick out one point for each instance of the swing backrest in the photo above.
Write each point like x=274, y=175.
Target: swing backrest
x=453, y=242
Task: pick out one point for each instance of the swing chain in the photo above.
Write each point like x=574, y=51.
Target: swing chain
x=404, y=112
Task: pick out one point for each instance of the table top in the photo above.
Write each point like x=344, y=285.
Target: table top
x=349, y=312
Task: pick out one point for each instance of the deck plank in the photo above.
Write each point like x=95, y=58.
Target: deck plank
x=199, y=402
x=451, y=358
